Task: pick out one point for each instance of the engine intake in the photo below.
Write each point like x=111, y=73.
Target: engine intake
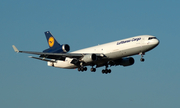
x=65, y=48
x=89, y=58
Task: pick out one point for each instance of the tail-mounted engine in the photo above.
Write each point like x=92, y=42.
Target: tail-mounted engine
x=60, y=49
x=65, y=48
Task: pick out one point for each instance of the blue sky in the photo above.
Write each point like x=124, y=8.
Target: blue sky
x=29, y=83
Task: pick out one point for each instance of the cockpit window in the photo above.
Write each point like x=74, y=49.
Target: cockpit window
x=152, y=38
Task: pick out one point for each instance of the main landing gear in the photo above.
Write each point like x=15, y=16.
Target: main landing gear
x=82, y=68
x=85, y=69
x=106, y=71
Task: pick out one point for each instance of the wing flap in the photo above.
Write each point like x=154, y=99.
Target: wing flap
x=43, y=59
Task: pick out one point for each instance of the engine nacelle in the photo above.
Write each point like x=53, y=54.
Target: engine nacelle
x=89, y=58
x=125, y=61
x=62, y=49
x=65, y=48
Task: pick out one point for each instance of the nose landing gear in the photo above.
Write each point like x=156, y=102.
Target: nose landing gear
x=142, y=55
x=142, y=59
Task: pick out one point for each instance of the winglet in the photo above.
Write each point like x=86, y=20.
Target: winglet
x=15, y=49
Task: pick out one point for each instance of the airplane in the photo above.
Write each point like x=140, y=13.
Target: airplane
x=109, y=54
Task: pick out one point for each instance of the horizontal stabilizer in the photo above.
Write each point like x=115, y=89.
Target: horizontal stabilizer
x=43, y=59
x=15, y=49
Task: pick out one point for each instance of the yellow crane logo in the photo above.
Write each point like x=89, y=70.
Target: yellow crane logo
x=51, y=41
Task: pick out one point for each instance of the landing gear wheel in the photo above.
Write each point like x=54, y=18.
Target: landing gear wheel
x=106, y=71
x=109, y=70
x=85, y=68
x=142, y=59
x=82, y=69
x=79, y=69
x=103, y=71
x=93, y=69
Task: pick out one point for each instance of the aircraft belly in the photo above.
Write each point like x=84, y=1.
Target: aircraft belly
x=62, y=64
x=101, y=62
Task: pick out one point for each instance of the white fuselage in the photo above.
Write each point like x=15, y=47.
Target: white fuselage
x=114, y=50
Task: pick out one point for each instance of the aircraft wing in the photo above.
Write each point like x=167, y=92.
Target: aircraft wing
x=71, y=55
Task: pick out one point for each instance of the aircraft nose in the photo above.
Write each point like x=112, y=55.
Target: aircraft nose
x=156, y=41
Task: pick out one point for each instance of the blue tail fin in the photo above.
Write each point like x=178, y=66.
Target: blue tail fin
x=54, y=46
x=51, y=40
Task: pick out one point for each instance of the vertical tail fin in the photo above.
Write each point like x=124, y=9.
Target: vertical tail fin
x=54, y=46
x=51, y=40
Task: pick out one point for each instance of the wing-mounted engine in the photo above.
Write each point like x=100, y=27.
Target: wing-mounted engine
x=85, y=59
x=124, y=61
x=89, y=58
